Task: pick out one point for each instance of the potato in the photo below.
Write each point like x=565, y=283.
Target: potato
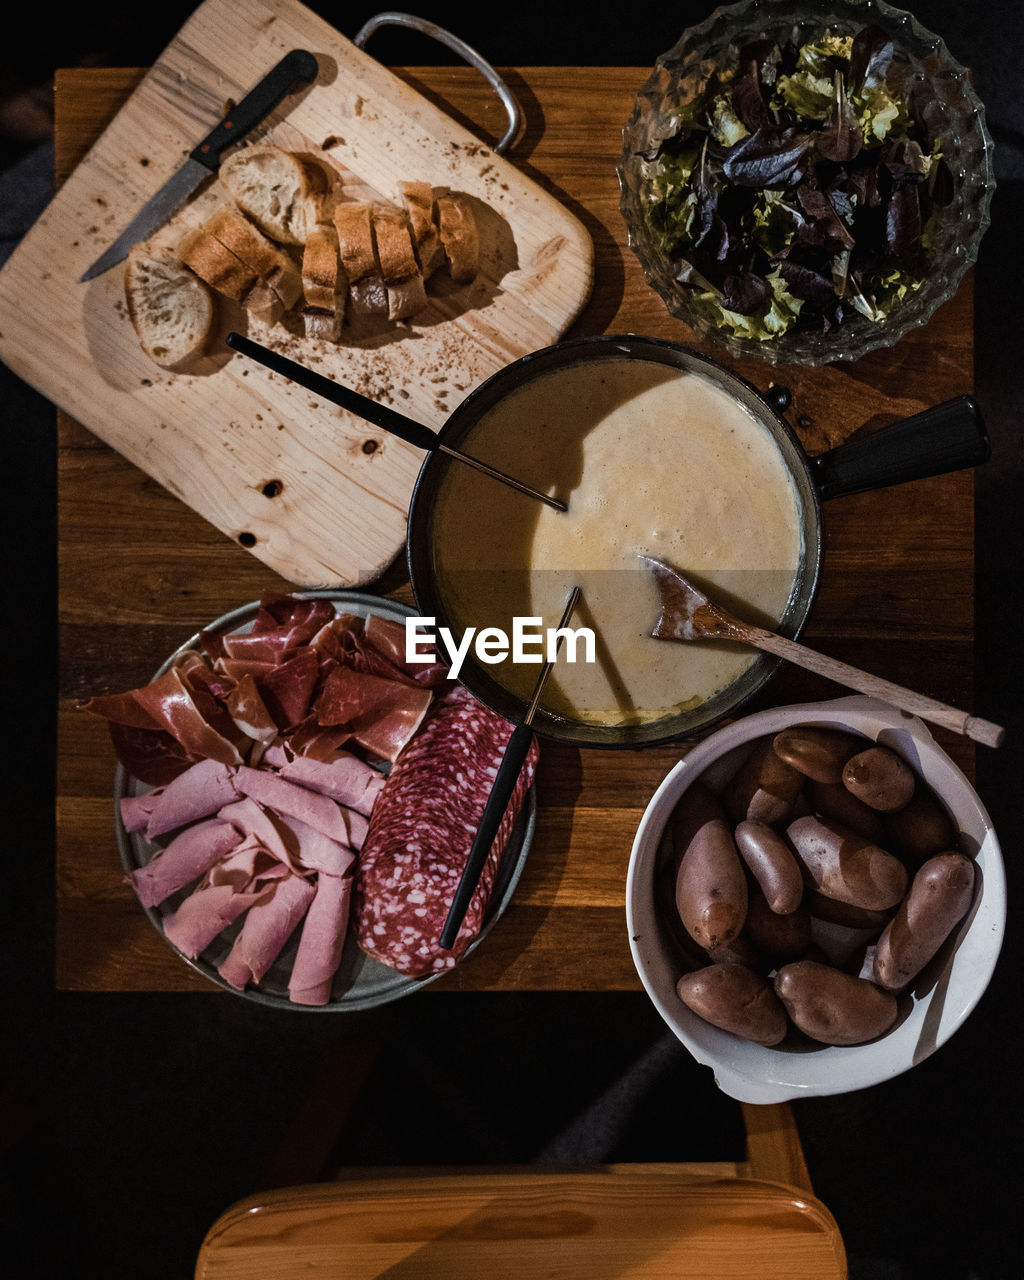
x=780, y=938
x=939, y=897
x=740, y=950
x=733, y=997
x=772, y=863
x=844, y=913
x=842, y=864
x=711, y=887
x=832, y=800
x=834, y=1007
x=921, y=828
x=764, y=788
x=818, y=753
x=880, y=778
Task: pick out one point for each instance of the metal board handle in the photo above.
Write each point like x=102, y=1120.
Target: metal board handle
x=392, y=18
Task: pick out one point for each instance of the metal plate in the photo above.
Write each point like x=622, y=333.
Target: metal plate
x=360, y=982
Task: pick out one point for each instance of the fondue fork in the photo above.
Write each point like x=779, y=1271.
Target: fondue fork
x=497, y=802
x=688, y=614
x=395, y=424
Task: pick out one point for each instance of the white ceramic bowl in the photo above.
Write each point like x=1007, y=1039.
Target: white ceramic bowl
x=938, y=1002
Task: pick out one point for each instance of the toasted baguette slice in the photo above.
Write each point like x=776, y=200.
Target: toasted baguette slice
x=320, y=324
x=368, y=296
x=274, y=269
x=393, y=242
x=323, y=280
x=171, y=310
x=352, y=221
x=419, y=207
x=274, y=187
x=456, y=225
x=218, y=266
x=406, y=297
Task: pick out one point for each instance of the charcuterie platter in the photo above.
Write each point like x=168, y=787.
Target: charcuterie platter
x=314, y=493
x=213, y=850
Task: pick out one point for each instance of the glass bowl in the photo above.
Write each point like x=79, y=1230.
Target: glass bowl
x=939, y=95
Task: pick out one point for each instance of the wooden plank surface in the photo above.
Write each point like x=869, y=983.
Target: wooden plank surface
x=316, y=492
x=141, y=571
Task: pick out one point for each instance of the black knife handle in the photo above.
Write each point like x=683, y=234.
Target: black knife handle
x=295, y=68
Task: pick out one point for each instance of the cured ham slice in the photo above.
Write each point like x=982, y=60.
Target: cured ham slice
x=189, y=855
x=197, y=793
x=273, y=792
x=322, y=941
x=382, y=715
x=230, y=888
x=269, y=923
x=346, y=779
x=421, y=832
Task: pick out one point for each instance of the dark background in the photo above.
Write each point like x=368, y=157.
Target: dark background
x=130, y=1122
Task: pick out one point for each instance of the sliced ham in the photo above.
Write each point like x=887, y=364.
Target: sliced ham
x=189, y=855
x=346, y=779
x=136, y=811
x=254, y=822
x=288, y=798
x=268, y=925
x=322, y=941
x=317, y=852
x=197, y=793
x=231, y=887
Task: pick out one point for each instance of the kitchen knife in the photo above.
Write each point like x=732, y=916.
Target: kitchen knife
x=296, y=68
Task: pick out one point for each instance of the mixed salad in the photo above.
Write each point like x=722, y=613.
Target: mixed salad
x=799, y=189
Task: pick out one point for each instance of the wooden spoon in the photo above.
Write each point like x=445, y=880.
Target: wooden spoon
x=687, y=614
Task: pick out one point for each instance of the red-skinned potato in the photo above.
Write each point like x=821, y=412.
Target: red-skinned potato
x=772, y=863
x=741, y=951
x=842, y=864
x=780, y=938
x=939, y=898
x=834, y=1007
x=881, y=778
x=817, y=753
x=764, y=788
x=849, y=916
x=832, y=800
x=711, y=886
x=921, y=828
x=733, y=997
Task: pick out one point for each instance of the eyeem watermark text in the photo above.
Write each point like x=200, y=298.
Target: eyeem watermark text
x=530, y=642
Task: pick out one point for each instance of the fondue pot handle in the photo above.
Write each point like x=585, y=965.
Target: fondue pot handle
x=948, y=437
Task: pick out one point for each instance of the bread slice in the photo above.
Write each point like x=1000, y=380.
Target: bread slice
x=406, y=297
x=279, y=191
x=171, y=310
x=274, y=269
x=352, y=221
x=456, y=225
x=418, y=198
x=323, y=279
x=393, y=241
x=368, y=296
x=218, y=266
x=320, y=324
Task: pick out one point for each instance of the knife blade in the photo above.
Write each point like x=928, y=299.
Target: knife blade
x=296, y=68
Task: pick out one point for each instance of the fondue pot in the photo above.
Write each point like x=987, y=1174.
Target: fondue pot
x=945, y=438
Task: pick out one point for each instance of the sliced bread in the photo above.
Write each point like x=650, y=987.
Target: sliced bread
x=219, y=267
x=406, y=297
x=456, y=225
x=323, y=279
x=282, y=193
x=418, y=198
x=325, y=326
x=393, y=241
x=273, y=267
x=171, y=310
x=352, y=221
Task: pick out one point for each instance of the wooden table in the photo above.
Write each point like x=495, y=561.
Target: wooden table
x=140, y=572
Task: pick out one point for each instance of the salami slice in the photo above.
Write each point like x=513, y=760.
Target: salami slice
x=421, y=832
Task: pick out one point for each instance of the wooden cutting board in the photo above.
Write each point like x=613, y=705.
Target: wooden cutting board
x=316, y=494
